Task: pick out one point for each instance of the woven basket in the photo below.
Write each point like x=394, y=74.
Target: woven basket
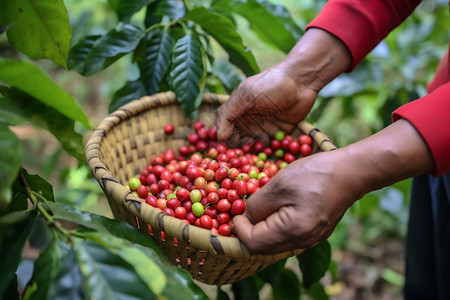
x=122, y=146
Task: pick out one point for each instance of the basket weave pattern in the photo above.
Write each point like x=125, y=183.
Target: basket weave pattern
x=122, y=146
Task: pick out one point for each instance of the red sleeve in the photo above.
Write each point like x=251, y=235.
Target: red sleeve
x=361, y=25
x=430, y=115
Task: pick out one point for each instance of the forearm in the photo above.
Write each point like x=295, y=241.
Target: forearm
x=393, y=154
x=316, y=59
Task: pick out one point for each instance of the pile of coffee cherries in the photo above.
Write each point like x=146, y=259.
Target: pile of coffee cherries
x=207, y=183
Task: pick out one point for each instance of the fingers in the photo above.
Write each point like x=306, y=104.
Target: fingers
x=248, y=128
x=257, y=127
x=270, y=198
x=272, y=235
x=283, y=126
x=260, y=207
x=225, y=125
x=257, y=238
x=250, y=110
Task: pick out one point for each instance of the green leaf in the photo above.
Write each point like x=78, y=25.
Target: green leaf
x=51, y=162
x=149, y=272
x=20, y=107
x=282, y=33
x=224, y=32
x=227, y=14
x=11, y=292
x=245, y=289
x=39, y=29
x=16, y=204
x=177, y=31
x=180, y=285
x=35, y=183
x=41, y=235
x=29, y=78
x=221, y=294
x=132, y=90
x=283, y=15
x=78, y=53
x=150, y=17
x=206, y=44
x=227, y=74
x=155, y=59
x=125, y=9
x=10, y=160
x=186, y=73
x=56, y=274
x=317, y=292
x=214, y=85
x=107, y=276
x=173, y=9
x=114, y=227
x=11, y=219
x=8, y=113
x=286, y=285
x=15, y=229
x=267, y=274
x=314, y=262
x=110, y=47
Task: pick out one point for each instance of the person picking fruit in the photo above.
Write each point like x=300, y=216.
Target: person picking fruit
x=301, y=205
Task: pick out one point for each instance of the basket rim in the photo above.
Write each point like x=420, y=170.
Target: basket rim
x=197, y=237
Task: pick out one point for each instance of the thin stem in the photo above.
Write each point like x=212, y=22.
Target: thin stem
x=32, y=196
x=36, y=203
x=46, y=215
x=185, y=28
x=153, y=27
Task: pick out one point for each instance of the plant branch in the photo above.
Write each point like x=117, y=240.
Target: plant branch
x=32, y=195
x=153, y=27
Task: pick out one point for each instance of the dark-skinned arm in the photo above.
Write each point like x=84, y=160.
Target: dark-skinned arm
x=302, y=204
x=282, y=96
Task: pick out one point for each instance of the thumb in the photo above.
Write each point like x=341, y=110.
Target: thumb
x=243, y=226
x=225, y=128
x=259, y=237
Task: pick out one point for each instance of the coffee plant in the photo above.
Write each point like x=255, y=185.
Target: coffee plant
x=84, y=255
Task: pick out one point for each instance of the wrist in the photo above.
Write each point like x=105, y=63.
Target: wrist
x=316, y=59
x=395, y=153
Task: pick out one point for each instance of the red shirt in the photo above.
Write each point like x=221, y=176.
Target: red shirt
x=361, y=25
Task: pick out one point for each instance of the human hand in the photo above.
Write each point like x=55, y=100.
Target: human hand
x=300, y=206
x=280, y=97
x=264, y=104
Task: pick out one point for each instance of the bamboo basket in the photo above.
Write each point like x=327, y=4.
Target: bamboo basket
x=122, y=145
